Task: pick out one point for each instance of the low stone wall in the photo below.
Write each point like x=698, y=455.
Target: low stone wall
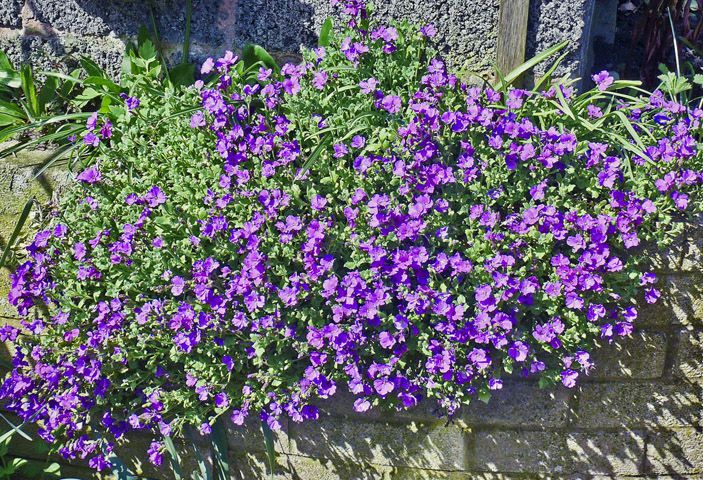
x=52, y=34
x=639, y=414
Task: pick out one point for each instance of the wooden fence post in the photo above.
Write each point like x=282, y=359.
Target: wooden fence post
x=512, y=34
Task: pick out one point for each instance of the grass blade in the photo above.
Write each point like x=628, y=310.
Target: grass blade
x=220, y=447
x=325, y=31
x=16, y=232
x=175, y=458
x=270, y=451
x=30, y=91
x=530, y=64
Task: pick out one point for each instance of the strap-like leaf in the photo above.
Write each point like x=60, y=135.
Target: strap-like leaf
x=175, y=458
x=15, y=233
x=220, y=447
x=325, y=32
x=268, y=442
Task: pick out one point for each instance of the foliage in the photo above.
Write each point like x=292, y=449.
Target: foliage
x=662, y=23
x=361, y=221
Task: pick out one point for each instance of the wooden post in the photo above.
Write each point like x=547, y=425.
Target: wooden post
x=512, y=34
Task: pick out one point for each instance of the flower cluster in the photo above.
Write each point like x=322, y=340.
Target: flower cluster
x=362, y=221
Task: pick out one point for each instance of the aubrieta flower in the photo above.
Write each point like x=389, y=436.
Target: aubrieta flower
x=362, y=222
x=603, y=80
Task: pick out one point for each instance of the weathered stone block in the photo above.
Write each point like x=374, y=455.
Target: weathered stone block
x=641, y=356
x=551, y=22
x=250, y=438
x=632, y=405
x=433, y=446
x=10, y=13
x=61, y=53
x=681, y=302
x=686, y=252
x=688, y=362
x=521, y=404
x=559, y=453
x=676, y=452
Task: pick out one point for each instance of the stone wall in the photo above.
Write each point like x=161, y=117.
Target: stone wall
x=638, y=415
x=51, y=34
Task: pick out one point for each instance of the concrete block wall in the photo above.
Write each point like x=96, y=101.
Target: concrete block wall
x=639, y=414
x=53, y=33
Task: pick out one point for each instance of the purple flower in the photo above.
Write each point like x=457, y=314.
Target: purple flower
x=90, y=175
x=368, y=86
x=320, y=80
x=91, y=139
x=603, y=80
x=391, y=103
x=568, y=378
x=197, y=120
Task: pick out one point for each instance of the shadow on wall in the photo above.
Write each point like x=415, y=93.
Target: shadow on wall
x=57, y=32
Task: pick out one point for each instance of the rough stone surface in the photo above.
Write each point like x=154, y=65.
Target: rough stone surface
x=10, y=11
x=559, y=453
x=434, y=446
x=688, y=362
x=633, y=405
x=467, y=30
x=676, y=452
x=552, y=21
x=641, y=356
x=681, y=302
x=62, y=52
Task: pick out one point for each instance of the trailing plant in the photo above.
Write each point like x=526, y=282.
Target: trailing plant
x=361, y=221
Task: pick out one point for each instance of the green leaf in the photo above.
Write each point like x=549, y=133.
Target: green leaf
x=270, y=450
x=325, y=32
x=30, y=91
x=220, y=447
x=9, y=77
x=182, y=75
x=103, y=82
x=13, y=238
x=175, y=458
x=530, y=64
x=147, y=51
x=53, y=158
x=253, y=54
x=92, y=68
x=47, y=93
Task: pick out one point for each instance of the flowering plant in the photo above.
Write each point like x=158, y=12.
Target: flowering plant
x=360, y=221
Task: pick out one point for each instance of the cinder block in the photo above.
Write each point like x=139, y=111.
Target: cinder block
x=521, y=404
x=640, y=356
x=688, y=362
x=556, y=453
x=634, y=405
x=415, y=445
x=677, y=452
x=681, y=302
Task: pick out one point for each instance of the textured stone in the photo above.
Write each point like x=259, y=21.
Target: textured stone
x=640, y=356
x=521, y=404
x=10, y=13
x=632, y=405
x=552, y=21
x=124, y=17
x=409, y=444
x=688, y=362
x=250, y=438
x=676, y=452
x=686, y=252
x=61, y=53
x=559, y=453
x=681, y=302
